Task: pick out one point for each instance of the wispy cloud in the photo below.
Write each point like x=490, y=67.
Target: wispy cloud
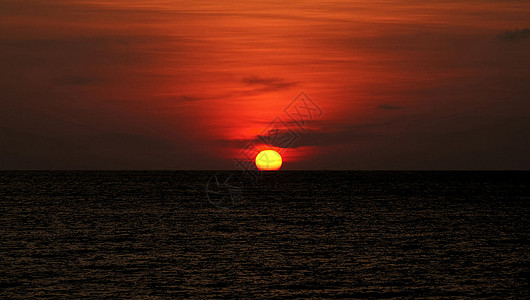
x=187, y=98
x=268, y=84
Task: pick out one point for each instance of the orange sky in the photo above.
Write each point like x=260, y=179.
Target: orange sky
x=187, y=84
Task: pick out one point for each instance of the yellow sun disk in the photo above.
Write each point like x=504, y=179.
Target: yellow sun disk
x=268, y=160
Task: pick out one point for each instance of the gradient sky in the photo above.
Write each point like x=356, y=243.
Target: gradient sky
x=165, y=84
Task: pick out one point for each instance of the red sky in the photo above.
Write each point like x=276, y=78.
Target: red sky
x=187, y=84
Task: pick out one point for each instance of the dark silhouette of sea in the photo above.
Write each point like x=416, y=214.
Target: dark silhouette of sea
x=317, y=234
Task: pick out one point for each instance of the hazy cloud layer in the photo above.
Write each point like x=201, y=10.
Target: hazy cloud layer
x=154, y=84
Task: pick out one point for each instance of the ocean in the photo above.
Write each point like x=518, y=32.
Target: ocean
x=286, y=234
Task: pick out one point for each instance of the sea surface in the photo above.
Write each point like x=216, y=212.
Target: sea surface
x=287, y=234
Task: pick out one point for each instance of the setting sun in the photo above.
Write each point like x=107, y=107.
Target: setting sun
x=268, y=160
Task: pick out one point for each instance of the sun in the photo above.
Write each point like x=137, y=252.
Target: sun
x=268, y=160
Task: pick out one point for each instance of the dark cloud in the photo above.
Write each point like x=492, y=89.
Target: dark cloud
x=515, y=35
x=389, y=107
x=280, y=138
x=268, y=84
x=77, y=80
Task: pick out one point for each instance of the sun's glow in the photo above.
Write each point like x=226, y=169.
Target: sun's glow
x=268, y=160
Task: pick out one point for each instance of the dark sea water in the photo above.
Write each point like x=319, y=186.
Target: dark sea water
x=290, y=234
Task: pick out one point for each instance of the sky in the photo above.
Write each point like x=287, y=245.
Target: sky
x=202, y=84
